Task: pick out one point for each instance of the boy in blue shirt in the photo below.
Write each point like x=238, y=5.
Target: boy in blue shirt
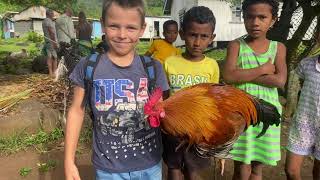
x=124, y=145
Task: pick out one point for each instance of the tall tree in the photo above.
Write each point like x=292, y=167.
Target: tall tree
x=296, y=49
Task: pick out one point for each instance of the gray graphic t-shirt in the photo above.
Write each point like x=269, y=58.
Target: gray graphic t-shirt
x=123, y=141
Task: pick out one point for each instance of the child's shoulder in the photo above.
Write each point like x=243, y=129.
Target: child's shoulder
x=308, y=60
x=235, y=43
x=211, y=61
x=158, y=41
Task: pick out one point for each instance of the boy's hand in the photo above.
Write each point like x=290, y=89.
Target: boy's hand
x=268, y=67
x=71, y=171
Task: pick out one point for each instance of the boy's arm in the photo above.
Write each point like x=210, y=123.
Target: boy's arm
x=73, y=127
x=52, y=35
x=232, y=74
x=279, y=78
x=216, y=73
x=71, y=29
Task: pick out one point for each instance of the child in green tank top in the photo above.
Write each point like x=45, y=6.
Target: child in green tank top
x=257, y=65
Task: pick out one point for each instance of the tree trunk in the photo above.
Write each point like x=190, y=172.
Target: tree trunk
x=281, y=28
x=293, y=58
x=293, y=89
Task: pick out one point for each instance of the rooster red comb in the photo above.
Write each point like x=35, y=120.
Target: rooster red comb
x=149, y=108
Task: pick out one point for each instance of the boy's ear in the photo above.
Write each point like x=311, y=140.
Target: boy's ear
x=142, y=29
x=213, y=36
x=181, y=33
x=102, y=26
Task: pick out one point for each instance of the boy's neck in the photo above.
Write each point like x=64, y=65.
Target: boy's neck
x=121, y=60
x=259, y=39
x=190, y=57
x=167, y=41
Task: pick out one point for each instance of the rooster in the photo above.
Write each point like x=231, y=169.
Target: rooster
x=209, y=116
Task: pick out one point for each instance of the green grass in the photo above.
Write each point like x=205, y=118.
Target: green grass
x=217, y=54
x=25, y=171
x=143, y=46
x=47, y=166
x=16, y=44
x=43, y=167
x=22, y=141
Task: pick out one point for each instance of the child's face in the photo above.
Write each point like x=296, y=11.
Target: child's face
x=258, y=20
x=171, y=33
x=197, y=37
x=123, y=28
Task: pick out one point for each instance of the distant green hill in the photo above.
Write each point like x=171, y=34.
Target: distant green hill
x=92, y=8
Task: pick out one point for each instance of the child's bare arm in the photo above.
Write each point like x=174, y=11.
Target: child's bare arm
x=73, y=127
x=232, y=74
x=279, y=78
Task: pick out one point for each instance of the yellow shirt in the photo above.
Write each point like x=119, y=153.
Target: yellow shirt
x=160, y=50
x=182, y=73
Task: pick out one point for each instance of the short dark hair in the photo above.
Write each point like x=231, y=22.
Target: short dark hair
x=199, y=14
x=82, y=15
x=138, y=4
x=168, y=23
x=49, y=12
x=274, y=6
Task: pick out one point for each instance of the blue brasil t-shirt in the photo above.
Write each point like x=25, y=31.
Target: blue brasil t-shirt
x=123, y=141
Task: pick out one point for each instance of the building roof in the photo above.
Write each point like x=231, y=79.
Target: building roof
x=8, y=15
x=33, y=12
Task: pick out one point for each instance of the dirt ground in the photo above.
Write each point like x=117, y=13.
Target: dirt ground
x=10, y=165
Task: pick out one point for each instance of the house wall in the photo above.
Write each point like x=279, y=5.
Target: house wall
x=96, y=29
x=150, y=31
x=226, y=30
x=8, y=29
x=179, y=6
x=22, y=27
x=37, y=26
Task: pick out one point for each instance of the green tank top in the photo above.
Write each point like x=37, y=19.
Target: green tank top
x=248, y=59
x=248, y=148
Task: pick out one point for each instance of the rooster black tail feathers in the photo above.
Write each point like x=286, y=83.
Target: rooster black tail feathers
x=267, y=114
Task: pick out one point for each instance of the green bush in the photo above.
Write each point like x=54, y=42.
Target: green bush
x=34, y=37
x=34, y=53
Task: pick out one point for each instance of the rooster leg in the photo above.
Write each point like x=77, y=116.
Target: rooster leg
x=222, y=162
x=182, y=143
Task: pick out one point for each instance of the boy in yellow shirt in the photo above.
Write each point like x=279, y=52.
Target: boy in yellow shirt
x=160, y=49
x=190, y=68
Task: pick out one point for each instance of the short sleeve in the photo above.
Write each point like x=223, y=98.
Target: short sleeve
x=216, y=72
x=161, y=80
x=77, y=75
x=301, y=68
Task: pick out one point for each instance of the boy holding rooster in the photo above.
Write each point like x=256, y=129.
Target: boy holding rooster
x=124, y=145
x=190, y=68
